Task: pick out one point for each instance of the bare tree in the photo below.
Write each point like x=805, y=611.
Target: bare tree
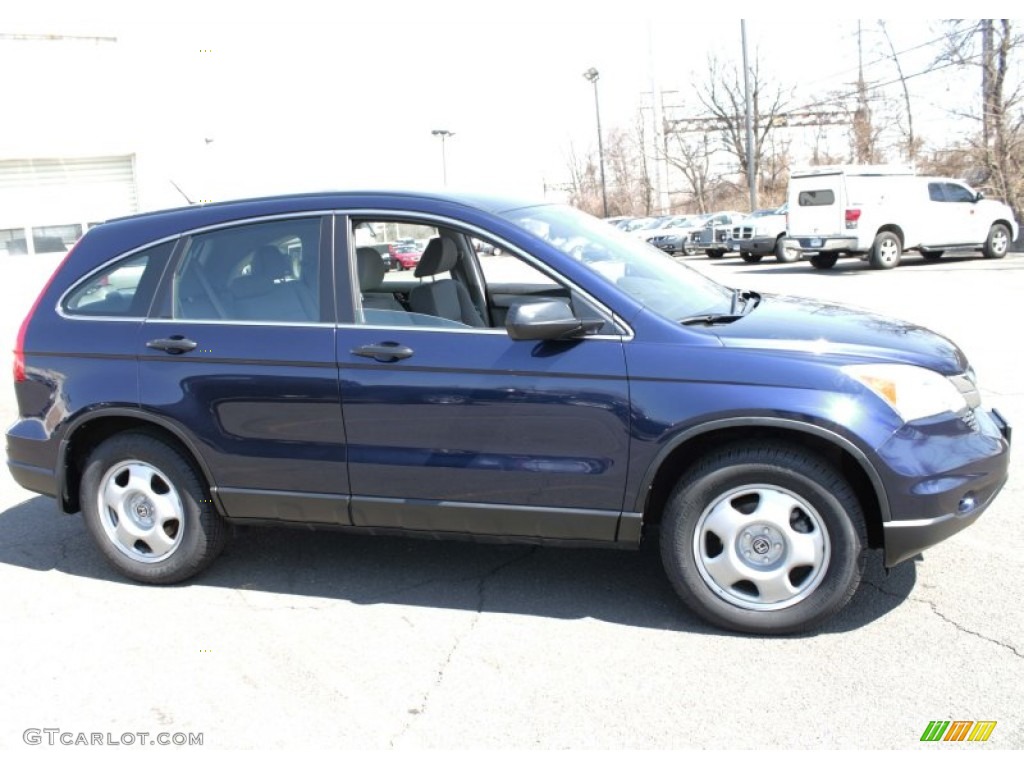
x=1000, y=146
x=692, y=156
x=722, y=95
x=912, y=147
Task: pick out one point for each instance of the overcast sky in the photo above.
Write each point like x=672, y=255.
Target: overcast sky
x=303, y=95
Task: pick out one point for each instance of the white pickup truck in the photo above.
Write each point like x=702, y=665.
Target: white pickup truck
x=879, y=212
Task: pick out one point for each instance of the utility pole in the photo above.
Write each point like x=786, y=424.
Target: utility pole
x=751, y=178
x=863, y=143
x=986, y=82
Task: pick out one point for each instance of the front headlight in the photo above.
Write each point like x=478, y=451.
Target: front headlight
x=913, y=392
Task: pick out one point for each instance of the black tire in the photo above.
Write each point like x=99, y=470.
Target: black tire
x=997, y=244
x=715, y=253
x=886, y=251
x=932, y=255
x=751, y=258
x=824, y=525
x=824, y=260
x=783, y=254
x=399, y=267
x=688, y=249
x=164, y=484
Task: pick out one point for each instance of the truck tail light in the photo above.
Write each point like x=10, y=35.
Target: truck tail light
x=852, y=217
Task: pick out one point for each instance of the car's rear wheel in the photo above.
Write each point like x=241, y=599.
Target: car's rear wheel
x=885, y=251
x=149, y=510
x=824, y=260
x=764, y=538
x=997, y=243
x=751, y=258
x=783, y=254
x=715, y=253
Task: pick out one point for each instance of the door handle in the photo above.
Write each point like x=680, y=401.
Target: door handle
x=385, y=352
x=175, y=345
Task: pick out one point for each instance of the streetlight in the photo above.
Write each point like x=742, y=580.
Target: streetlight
x=593, y=75
x=444, y=134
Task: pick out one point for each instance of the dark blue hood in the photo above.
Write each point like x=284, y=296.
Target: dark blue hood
x=805, y=325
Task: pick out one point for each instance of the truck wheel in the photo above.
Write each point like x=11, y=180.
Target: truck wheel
x=764, y=538
x=751, y=258
x=714, y=253
x=824, y=260
x=783, y=254
x=997, y=243
x=885, y=251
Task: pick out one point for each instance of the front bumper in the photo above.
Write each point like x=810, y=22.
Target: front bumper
x=940, y=478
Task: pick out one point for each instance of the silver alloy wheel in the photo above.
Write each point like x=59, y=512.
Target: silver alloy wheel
x=1000, y=241
x=761, y=547
x=889, y=251
x=141, y=512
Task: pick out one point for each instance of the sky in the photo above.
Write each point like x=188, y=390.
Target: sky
x=237, y=99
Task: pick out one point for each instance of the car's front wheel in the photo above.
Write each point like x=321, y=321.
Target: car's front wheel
x=751, y=258
x=715, y=253
x=764, y=538
x=997, y=243
x=149, y=510
x=783, y=254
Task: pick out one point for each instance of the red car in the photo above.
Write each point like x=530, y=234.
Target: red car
x=404, y=256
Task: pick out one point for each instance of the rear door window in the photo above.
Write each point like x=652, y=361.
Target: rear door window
x=264, y=272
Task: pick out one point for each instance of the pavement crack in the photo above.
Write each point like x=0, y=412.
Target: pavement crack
x=481, y=591
x=935, y=609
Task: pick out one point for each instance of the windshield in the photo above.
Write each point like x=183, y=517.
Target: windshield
x=639, y=270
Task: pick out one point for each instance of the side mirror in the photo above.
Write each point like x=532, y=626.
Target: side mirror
x=547, y=320
x=978, y=197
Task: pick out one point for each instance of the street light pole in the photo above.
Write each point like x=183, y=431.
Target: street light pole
x=444, y=134
x=593, y=75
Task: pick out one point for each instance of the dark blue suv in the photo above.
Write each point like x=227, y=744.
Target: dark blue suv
x=541, y=377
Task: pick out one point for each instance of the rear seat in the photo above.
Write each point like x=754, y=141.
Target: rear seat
x=265, y=294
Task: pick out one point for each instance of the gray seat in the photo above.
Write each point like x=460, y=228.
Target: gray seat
x=266, y=293
x=445, y=298
x=371, y=270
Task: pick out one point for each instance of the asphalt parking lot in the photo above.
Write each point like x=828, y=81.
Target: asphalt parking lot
x=299, y=639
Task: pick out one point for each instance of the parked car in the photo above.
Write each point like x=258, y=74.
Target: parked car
x=762, y=233
x=879, y=212
x=676, y=235
x=405, y=256
x=259, y=370
x=713, y=239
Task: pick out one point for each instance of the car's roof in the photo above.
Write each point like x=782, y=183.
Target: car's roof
x=489, y=203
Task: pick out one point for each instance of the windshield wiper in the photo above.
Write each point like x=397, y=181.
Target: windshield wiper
x=741, y=303
x=711, y=319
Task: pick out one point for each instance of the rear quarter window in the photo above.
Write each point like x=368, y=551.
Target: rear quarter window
x=811, y=197
x=122, y=289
